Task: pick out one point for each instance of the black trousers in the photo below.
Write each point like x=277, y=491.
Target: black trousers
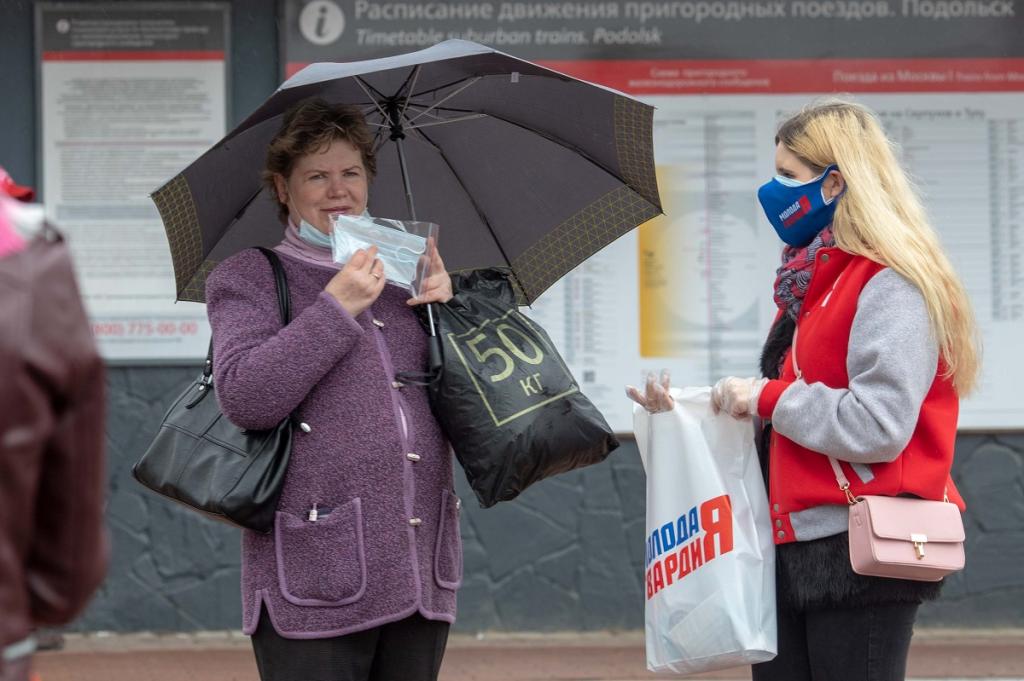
x=868, y=643
x=407, y=650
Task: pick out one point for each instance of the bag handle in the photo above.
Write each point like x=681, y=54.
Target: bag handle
x=281, y=280
x=284, y=306
x=844, y=483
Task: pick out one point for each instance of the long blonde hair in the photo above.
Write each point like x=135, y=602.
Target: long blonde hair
x=881, y=217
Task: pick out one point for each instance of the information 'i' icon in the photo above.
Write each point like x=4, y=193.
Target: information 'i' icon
x=321, y=22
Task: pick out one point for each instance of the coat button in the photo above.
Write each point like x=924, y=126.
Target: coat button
x=415, y=522
x=378, y=323
x=778, y=523
x=782, y=535
x=304, y=427
x=824, y=257
x=412, y=457
x=775, y=507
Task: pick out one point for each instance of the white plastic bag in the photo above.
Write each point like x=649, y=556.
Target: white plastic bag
x=710, y=558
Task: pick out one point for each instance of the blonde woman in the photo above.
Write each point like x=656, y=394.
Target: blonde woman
x=886, y=348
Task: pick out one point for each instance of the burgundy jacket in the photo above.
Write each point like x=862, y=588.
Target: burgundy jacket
x=53, y=546
x=384, y=542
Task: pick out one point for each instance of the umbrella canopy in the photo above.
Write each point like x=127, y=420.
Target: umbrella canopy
x=522, y=167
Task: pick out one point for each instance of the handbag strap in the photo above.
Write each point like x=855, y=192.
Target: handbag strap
x=281, y=280
x=792, y=353
x=844, y=483
x=284, y=305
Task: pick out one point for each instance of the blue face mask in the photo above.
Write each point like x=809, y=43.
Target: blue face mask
x=314, y=237
x=797, y=210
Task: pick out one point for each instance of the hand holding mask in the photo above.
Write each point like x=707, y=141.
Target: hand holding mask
x=401, y=246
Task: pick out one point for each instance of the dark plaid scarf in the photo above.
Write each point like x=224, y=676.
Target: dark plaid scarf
x=794, y=276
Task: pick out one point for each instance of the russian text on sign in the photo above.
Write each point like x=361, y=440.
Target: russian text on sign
x=432, y=11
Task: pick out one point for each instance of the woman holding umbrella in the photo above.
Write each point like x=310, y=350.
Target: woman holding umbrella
x=358, y=578
x=873, y=346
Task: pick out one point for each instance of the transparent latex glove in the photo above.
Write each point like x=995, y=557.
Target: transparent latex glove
x=655, y=398
x=737, y=396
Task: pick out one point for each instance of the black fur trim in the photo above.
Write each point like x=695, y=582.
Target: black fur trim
x=816, y=574
x=775, y=348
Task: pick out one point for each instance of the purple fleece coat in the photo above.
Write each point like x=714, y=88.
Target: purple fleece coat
x=386, y=542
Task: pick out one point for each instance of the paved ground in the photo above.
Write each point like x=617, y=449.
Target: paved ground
x=936, y=654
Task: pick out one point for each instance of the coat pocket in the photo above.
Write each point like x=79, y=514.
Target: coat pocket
x=323, y=562
x=448, y=549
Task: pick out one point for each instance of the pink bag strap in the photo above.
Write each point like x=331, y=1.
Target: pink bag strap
x=844, y=484
x=796, y=367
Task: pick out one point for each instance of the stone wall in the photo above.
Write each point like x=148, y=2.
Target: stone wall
x=566, y=555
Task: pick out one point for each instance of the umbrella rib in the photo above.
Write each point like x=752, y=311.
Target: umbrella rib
x=366, y=88
x=432, y=114
x=444, y=121
x=478, y=210
x=445, y=99
x=442, y=87
x=412, y=86
x=380, y=95
x=418, y=135
x=378, y=140
x=461, y=80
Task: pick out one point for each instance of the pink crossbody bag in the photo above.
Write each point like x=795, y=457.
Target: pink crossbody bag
x=903, y=537
x=900, y=537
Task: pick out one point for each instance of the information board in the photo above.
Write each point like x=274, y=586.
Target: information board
x=692, y=291
x=130, y=93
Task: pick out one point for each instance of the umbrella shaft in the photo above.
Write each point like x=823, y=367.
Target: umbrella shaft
x=412, y=216
x=405, y=180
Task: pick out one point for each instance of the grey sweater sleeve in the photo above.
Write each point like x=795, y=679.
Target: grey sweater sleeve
x=892, y=361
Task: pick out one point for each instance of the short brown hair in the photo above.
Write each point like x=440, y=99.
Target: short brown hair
x=311, y=126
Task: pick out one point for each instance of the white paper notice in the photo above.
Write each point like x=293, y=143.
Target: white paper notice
x=118, y=123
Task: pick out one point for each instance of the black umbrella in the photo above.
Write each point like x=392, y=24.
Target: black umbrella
x=523, y=167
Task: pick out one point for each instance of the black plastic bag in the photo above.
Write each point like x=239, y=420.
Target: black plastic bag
x=504, y=397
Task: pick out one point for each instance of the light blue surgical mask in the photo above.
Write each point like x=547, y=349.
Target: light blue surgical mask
x=399, y=251
x=314, y=237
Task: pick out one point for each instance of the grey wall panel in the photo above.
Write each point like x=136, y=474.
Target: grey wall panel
x=567, y=555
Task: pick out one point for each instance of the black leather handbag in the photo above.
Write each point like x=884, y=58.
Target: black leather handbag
x=202, y=460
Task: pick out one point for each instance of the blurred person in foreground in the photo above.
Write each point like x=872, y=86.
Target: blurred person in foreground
x=886, y=347
x=53, y=547
x=358, y=579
